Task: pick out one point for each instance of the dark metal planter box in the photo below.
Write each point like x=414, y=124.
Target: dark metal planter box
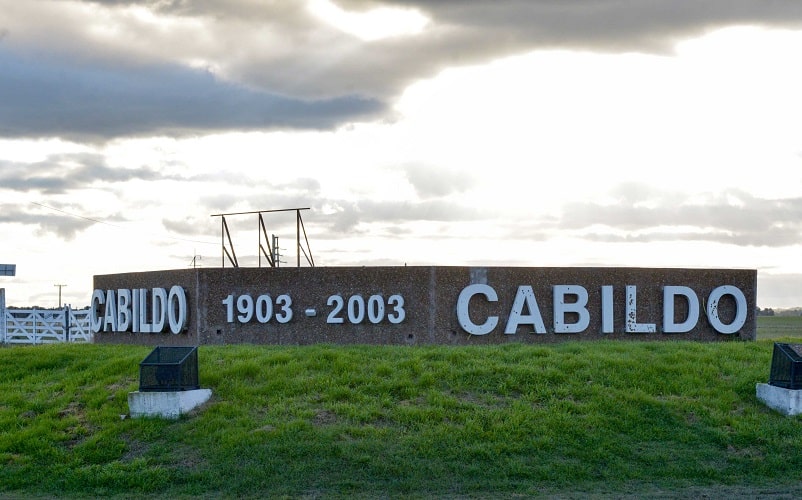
x=168, y=369
x=786, y=366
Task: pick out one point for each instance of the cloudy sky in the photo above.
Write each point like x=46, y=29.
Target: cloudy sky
x=660, y=133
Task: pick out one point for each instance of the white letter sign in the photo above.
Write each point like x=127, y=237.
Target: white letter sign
x=740, y=306
x=561, y=307
x=632, y=325
x=669, y=292
x=463, y=312
x=525, y=297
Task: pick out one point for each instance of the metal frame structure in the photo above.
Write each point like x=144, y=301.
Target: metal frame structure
x=269, y=252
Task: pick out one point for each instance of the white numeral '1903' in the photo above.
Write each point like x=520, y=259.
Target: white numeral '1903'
x=356, y=309
x=262, y=308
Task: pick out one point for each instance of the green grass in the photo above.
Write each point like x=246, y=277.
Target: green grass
x=579, y=417
x=779, y=327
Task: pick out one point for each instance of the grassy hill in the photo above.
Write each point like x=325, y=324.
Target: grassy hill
x=603, y=418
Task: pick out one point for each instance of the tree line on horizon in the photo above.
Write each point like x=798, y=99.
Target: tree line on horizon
x=768, y=311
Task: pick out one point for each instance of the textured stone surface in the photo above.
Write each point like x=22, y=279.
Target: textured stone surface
x=430, y=297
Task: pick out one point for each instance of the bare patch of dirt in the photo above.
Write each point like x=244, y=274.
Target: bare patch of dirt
x=324, y=417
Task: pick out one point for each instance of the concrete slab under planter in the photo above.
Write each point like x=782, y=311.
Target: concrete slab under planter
x=786, y=401
x=166, y=404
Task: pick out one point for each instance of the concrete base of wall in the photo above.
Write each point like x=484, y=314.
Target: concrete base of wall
x=786, y=401
x=166, y=404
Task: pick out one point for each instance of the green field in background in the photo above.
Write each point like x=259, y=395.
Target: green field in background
x=779, y=327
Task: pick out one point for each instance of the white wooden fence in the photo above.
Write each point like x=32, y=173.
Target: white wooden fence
x=46, y=326
x=43, y=326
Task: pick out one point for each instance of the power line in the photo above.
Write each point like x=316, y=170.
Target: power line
x=77, y=216
x=115, y=225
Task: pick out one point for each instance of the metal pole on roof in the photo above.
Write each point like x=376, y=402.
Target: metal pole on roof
x=298, y=236
x=299, y=225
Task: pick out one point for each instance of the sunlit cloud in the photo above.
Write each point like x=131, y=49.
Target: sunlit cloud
x=371, y=25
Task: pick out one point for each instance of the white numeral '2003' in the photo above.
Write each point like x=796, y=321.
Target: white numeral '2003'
x=374, y=309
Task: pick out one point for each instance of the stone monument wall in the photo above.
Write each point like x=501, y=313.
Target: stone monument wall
x=422, y=305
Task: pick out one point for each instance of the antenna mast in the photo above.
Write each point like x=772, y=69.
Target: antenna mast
x=194, y=262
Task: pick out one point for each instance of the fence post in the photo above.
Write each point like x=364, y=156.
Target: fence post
x=67, y=315
x=3, y=327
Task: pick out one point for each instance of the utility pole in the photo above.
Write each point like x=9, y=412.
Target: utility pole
x=60, y=286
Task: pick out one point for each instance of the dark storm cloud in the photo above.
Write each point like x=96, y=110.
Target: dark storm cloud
x=468, y=32
x=50, y=98
x=610, y=24
x=58, y=174
x=280, y=66
x=733, y=217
